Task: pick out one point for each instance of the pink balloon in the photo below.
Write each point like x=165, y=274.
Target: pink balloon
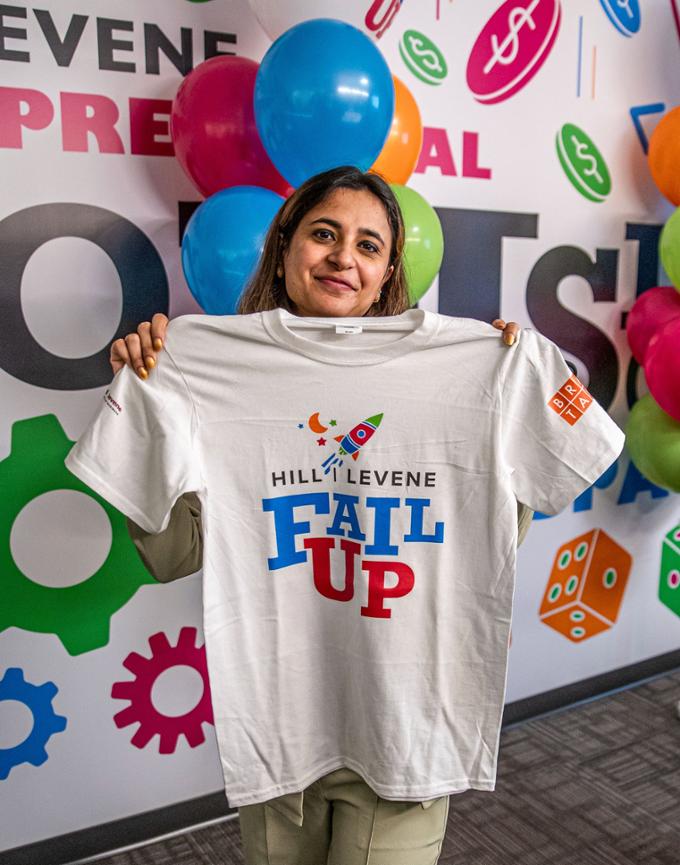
x=662, y=367
x=649, y=313
x=213, y=129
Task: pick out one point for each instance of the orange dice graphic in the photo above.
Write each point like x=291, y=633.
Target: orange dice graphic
x=586, y=586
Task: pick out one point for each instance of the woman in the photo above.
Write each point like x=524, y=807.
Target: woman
x=347, y=706
x=335, y=249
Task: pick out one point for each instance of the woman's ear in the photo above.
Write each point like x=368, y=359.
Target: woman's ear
x=388, y=273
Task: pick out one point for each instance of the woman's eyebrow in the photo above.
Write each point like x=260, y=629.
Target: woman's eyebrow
x=335, y=224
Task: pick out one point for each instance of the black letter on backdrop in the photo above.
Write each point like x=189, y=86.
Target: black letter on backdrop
x=156, y=41
x=211, y=40
x=62, y=50
x=470, y=275
x=648, y=256
x=647, y=277
x=142, y=276
x=12, y=33
x=106, y=44
x=571, y=332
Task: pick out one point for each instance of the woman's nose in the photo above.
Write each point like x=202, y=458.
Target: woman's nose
x=342, y=256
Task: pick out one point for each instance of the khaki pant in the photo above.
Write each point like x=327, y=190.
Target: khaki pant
x=339, y=820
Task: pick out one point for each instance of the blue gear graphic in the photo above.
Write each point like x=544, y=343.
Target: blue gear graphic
x=37, y=698
x=80, y=614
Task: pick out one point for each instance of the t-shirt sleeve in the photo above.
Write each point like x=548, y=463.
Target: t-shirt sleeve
x=138, y=451
x=556, y=440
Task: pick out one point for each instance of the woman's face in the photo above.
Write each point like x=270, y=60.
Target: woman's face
x=338, y=258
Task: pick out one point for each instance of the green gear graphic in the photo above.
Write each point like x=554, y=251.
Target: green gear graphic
x=79, y=615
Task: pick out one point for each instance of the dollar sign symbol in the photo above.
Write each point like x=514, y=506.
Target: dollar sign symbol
x=583, y=155
x=428, y=57
x=625, y=4
x=505, y=52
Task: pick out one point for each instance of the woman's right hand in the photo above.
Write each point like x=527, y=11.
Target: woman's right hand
x=138, y=350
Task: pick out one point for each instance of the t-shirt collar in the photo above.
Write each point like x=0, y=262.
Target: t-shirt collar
x=422, y=323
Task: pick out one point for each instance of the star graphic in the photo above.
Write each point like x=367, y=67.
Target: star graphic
x=300, y=426
x=332, y=423
x=321, y=441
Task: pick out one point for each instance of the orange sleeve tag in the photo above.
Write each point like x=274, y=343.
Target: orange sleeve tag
x=571, y=400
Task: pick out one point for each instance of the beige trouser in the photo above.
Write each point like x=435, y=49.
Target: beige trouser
x=339, y=820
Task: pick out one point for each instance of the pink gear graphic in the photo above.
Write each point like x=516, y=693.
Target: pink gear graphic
x=138, y=691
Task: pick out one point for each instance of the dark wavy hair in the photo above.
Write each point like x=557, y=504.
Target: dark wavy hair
x=266, y=290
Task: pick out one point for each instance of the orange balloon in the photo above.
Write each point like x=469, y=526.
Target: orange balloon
x=400, y=153
x=664, y=155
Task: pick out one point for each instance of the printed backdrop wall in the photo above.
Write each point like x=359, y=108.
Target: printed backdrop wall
x=534, y=156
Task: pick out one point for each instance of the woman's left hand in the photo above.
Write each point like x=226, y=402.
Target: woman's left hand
x=510, y=329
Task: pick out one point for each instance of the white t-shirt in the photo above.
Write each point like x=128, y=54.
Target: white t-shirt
x=359, y=509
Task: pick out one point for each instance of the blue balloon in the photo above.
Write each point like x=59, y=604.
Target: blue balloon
x=324, y=97
x=223, y=242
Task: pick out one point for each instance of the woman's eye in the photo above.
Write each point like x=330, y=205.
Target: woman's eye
x=323, y=233
x=371, y=247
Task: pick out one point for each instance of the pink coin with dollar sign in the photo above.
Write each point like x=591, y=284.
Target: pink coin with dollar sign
x=511, y=48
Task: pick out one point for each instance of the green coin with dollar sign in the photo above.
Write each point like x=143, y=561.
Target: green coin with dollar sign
x=423, y=57
x=583, y=163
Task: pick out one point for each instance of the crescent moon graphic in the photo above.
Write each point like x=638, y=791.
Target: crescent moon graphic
x=315, y=424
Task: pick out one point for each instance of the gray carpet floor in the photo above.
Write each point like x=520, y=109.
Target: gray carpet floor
x=595, y=784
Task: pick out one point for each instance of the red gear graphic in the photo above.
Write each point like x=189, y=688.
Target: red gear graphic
x=138, y=691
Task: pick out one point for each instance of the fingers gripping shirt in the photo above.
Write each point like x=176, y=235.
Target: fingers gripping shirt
x=138, y=453
x=554, y=438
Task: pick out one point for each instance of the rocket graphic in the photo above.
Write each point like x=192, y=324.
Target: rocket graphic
x=353, y=441
x=357, y=437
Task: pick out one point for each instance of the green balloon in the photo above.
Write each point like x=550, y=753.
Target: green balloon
x=653, y=441
x=424, y=246
x=669, y=248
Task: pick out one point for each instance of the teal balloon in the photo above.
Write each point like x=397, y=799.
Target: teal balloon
x=424, y=245
x=653, y=442
x=669, y=248
x=222, y=244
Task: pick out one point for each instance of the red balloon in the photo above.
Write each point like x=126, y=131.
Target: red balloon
x=649, y=313
x=662, y=368
x=213, y=129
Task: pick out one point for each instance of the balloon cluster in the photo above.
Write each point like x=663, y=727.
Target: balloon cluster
x=653, y=329
x=248, y=134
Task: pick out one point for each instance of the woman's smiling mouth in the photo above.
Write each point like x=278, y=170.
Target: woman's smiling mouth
x=333, y=282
